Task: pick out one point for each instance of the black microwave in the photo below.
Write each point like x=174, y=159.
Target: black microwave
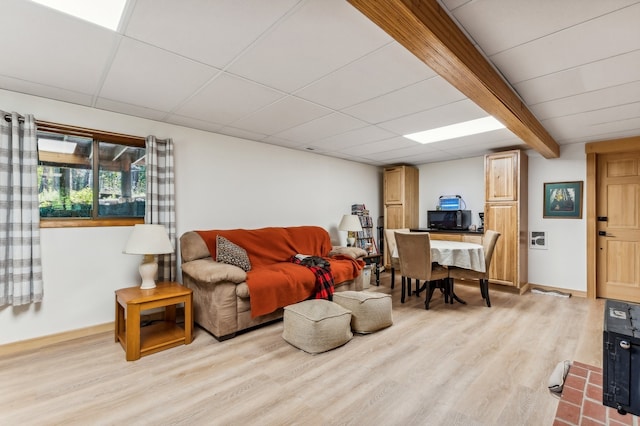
x=449, y=219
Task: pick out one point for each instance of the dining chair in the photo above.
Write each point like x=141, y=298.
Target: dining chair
x=414, y=254
x=390, y=240
x=488, y=244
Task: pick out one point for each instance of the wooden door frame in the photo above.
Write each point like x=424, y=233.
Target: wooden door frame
x=593, y=149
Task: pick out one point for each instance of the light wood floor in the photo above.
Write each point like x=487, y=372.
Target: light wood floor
x=451, y=365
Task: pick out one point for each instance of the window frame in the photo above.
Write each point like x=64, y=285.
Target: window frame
x=101, y=136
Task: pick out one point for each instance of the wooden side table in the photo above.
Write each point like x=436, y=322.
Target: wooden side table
x=158, y=336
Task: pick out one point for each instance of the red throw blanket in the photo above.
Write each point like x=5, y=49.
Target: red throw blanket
x=321, y=268
x=274, y=282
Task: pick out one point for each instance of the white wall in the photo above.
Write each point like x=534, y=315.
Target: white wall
x=225, y=182
x=221, y=182
x=459, y=177
x=564, y=263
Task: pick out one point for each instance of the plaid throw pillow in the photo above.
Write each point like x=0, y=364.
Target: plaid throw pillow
x=233, y=254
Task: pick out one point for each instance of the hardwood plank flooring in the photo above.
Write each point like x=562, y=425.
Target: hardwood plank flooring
x=452, y=365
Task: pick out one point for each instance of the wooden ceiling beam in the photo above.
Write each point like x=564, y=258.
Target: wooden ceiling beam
x=428, y=32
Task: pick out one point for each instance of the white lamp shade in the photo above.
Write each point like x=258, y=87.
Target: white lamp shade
x=350, y=222
x=148, y=239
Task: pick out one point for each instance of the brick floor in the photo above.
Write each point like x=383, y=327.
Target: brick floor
x=581, y=401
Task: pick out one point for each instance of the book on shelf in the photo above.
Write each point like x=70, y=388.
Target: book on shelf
x=364, y=239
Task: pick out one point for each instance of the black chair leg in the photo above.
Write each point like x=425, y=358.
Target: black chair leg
x=430, y=288
x=485, y=287
x=393, y=278
x=418, y=289
x=404, y=283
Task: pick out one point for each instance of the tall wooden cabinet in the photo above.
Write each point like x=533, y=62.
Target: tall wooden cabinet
x=400, y=195
x=506, y=211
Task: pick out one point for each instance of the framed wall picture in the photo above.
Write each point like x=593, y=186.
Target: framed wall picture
x=563, y=200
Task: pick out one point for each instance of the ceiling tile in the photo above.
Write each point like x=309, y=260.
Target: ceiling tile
x=501, y=137
x=385, y=70
x=585, y=41
x=224, y=28
x=194, y=123
x=51, y=48
x=386, y=145
x=620, y=120
x=608, y=72
x=355, y=137
x=150, y=77
x=134, y=110
x=282, y=115
x=445, y=115
x=588, y=101
x=241, y=133
x=323, y=127
x=498, y=25
x=421, y=96
x=31, y=88
x=228, y=98
x=303, y=47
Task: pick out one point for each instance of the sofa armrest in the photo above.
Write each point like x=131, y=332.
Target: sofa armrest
x=212, y=272
x=353, y=252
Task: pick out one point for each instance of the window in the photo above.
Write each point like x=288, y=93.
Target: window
x=89, y=178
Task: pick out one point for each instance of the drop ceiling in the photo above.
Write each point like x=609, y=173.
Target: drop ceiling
x=317, y=75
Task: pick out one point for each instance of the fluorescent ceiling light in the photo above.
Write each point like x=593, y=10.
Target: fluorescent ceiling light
x=458, y=130
x=106, y=13
x=51, y=145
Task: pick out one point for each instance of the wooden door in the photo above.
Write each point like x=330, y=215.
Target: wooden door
x=618, y=227
x=503, y=218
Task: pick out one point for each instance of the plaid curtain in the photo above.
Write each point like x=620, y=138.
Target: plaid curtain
x=160, y=206
x=20, y=264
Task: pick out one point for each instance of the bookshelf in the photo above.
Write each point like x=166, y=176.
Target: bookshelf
x=365, y=238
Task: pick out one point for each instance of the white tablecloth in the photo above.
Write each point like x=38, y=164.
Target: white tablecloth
x=456, y=253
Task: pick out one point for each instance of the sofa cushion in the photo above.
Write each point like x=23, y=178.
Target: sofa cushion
x=208, y=270
x=233, y=254
x=353, y=252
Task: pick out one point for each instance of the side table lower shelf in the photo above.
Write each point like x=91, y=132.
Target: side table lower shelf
x=157, y=337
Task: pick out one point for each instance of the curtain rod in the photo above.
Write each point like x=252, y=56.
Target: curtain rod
x=7, y=117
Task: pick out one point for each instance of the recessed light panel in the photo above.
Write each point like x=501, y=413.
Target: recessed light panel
x=106, y=13
x=457, y=130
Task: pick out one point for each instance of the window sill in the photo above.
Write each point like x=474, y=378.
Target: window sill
x=89, y=223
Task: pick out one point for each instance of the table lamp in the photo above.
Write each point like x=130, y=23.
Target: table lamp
x=148, y=240
x=350, y=223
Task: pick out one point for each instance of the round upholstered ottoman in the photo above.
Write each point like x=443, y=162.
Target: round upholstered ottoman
x=316, y=325
x=369, y=311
